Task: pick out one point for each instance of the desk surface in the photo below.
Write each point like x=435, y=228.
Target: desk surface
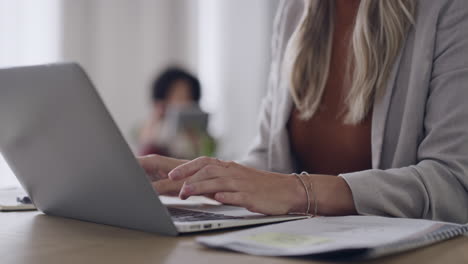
x=31, y=237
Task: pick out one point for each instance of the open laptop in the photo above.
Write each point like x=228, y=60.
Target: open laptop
x=72, y=160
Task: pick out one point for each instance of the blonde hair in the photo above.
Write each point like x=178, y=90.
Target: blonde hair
x=379, y=31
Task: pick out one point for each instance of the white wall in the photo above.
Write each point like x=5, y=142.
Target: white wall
x=234, y=55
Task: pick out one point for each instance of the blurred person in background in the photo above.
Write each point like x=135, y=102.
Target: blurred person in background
x=177, y=127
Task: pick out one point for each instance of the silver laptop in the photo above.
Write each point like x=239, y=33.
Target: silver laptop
x=72, y=160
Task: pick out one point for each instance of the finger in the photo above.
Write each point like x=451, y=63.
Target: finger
x=191, y=167
x=233, y=198
x=208, y=187
x=168, y=187
x=158, y=167
x=162, y=175
x=208, y=172
x=157, y=176
x=148, y=163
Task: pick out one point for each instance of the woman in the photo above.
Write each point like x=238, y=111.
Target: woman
x=366, y=96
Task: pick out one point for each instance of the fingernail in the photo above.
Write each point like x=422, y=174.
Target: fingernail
x=175, y=174
x=188, y=188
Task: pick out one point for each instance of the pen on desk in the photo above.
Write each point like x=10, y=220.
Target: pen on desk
x=24, y=200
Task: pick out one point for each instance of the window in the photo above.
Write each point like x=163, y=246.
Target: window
x=29, y=34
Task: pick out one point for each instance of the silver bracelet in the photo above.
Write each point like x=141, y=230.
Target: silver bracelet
x=314, y=194
x=306, y=190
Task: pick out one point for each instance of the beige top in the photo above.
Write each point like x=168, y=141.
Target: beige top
x=419, y=134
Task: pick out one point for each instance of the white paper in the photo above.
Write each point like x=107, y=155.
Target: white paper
x=322, y=234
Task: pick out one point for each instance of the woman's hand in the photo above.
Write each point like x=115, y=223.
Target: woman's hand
x=157, y=168
x=261, y=191
x=231, y=183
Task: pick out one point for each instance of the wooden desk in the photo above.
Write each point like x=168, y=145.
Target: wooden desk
x=31, y=237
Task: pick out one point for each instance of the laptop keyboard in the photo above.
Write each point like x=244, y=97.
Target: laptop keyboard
x=183, y=215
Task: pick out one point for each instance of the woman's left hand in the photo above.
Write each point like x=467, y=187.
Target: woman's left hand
x=230, y=183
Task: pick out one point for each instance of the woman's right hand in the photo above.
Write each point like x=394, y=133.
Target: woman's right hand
x=157, y=167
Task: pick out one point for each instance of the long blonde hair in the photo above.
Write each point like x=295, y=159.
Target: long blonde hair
x=379, y=31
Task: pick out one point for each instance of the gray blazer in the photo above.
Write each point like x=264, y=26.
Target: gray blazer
x=419, y=127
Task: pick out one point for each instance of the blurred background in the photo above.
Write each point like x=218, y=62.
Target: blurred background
x=124, y=44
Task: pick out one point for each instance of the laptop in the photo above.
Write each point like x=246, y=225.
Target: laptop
x=71, y=159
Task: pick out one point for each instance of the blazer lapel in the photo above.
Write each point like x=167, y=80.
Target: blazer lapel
x=280, y=154
x=381, y=108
